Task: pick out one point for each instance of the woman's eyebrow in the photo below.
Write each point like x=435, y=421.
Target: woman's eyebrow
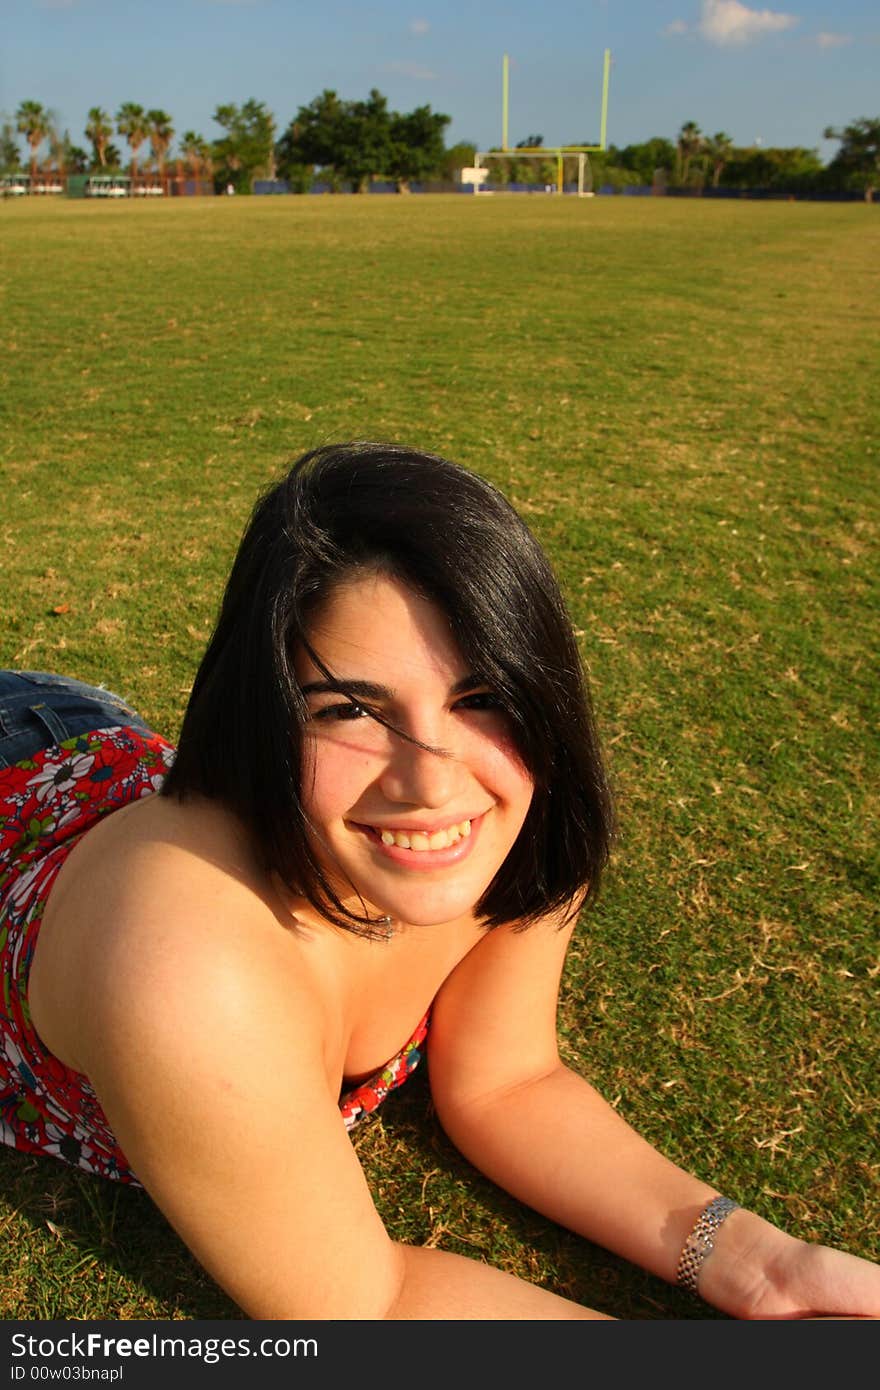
x=367, y=690
x=468, y=682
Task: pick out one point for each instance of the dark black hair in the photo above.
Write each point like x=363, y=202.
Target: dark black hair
x=456, y=540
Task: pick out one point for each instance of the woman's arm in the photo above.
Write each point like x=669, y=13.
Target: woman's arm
x=546, y=1136
x=205, y=1045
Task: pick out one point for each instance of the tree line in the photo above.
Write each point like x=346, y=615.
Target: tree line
x=695, y=161
x=349, y=144
x=346, y=143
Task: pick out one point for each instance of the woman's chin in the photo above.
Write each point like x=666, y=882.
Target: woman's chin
x=413, y=910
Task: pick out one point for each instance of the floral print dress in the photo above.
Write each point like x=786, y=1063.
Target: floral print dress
x=47, y=803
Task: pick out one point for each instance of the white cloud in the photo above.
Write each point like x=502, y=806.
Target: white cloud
x=411, y=70
x=419, y=26
x=825, y=40
x=677, y=26
x=730, y=22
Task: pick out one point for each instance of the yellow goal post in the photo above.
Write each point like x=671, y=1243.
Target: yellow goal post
x=559, y=152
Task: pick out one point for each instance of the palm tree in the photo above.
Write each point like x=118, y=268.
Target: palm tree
x=690, y=142
x=33, y=121
x=197, y=153
x=718, y=151
x=98, y=129
x=131, y=122
x=58, y=146
x=74, y=159
x=161, y=133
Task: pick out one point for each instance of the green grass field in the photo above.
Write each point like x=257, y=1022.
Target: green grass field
x=683, y=400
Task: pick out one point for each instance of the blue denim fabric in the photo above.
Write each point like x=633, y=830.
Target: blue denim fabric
x=38, y=709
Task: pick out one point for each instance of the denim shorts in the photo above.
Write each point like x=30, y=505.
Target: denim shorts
x=38, y=710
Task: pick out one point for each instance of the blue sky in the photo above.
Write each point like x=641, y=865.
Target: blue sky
x=768, y=75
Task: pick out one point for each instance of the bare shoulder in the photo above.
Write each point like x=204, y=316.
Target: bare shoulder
x=507, y=959
x=157, y=902
x=494, y=1020
x=205, y=1038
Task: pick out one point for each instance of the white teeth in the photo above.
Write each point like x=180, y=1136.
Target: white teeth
x=419, y=840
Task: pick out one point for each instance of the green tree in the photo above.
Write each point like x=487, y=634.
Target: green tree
x=160, y=133
x=648, y=158
x=196, y=153
x=58, y=145
x=247, y=149
x=608, y=171
x=99, y=129
x=458, y=157
x=417, y=146
x=858, y=158
x=34, y=122
x=499, y=168
x=131, y=124
x=718, y=149
x=780, y=170
x=76, y=159
x=113, y=161
x=292, y=166
x=348, y=141
x=690, y=144
x=314, y=137
x=366, y=141
x=10, y=155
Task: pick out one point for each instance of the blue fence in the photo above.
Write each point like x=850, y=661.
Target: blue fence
x=607, y=190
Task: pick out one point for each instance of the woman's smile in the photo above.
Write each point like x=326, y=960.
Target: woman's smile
x=420, y=849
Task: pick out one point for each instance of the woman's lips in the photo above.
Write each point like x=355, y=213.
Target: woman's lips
x=421, y=859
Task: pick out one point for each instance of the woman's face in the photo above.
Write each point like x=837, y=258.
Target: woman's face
x=419, y=835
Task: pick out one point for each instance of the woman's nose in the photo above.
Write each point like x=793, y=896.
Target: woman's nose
x=419, y=777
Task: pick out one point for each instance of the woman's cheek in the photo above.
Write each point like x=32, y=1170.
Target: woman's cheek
x=501, y=763
x=338, y=777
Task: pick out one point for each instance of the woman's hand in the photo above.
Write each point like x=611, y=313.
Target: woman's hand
x=757, y=1271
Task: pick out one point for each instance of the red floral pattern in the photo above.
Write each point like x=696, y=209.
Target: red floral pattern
x=362, y=1101
x=46, y=804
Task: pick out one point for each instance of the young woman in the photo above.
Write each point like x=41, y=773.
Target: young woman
x=386, y=808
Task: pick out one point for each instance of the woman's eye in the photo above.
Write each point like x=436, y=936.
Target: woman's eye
x=482, y=699
x=346, y=711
